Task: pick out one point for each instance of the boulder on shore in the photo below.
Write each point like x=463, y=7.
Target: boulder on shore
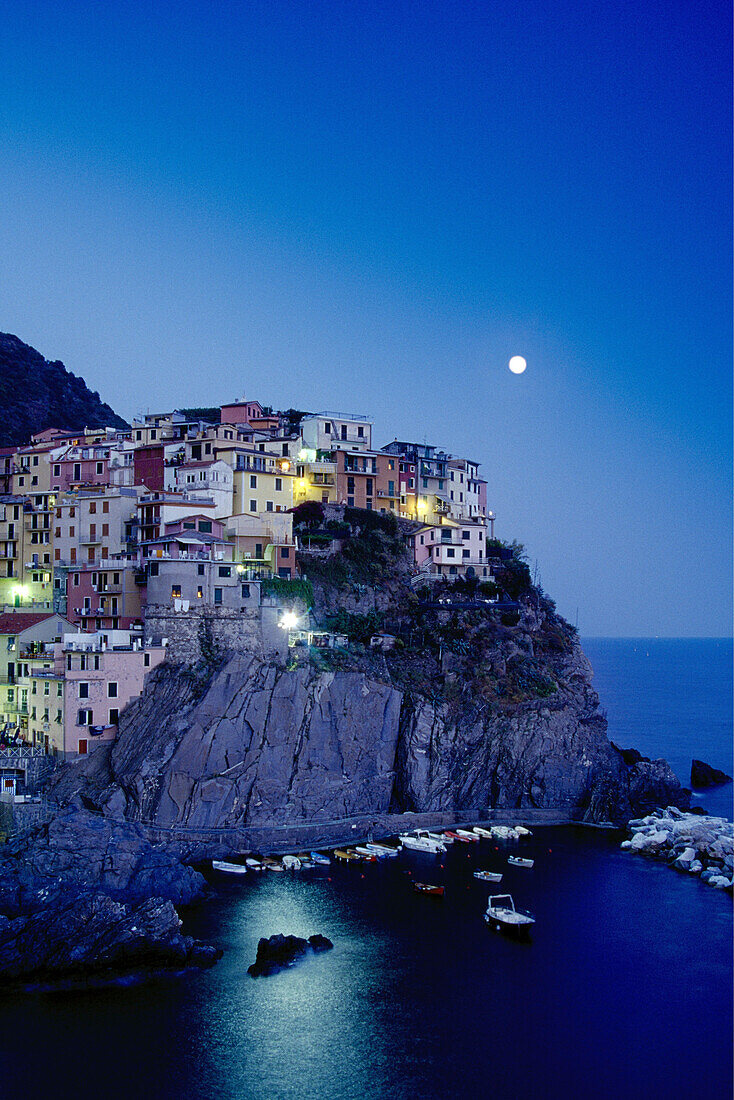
x=278, y=951
x=688, y=842
x=703, y=775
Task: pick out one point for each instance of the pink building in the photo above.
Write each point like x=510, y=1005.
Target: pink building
x=81, y=466
x=105, y=596
x=101, y=674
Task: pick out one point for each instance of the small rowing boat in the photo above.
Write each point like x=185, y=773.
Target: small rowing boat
x=291, y=863
x=488, y=876
x=465, y=834
x=347, y=856
x=273, y=864
x=254, y=864
x=321, y=859
x=229, y=868
x=455, y=836
x=518, y=861
x=441, y=838
x=427, y=888
x=485, y=833
x=365, y=854
x=382, y=851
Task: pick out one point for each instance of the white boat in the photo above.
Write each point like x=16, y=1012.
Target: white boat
x=518, y=861
x=229, y=868
x=441, y=838
x=364, y=850
x=254, y=864
x=317, y=857
x=522, y=830
x=502, y=913
x=467, y=834
x=486, y=833
x=505, y=832
x=291, y=863
x=420, y=841
x=488, y=876
x=382, y=851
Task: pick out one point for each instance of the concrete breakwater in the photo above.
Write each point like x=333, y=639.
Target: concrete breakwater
x=697, y=845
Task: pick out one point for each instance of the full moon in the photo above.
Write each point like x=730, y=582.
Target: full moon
x=517, y=364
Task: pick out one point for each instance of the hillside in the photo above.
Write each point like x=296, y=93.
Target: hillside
x=37, y=394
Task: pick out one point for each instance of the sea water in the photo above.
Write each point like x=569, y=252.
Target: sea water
x=623, y=991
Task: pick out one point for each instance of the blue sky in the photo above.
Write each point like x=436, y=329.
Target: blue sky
x=371, y=207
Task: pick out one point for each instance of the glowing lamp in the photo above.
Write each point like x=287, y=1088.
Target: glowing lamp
x=289, y=620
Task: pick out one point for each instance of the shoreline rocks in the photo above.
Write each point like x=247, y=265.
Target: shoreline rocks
x=695, y=845
x=83, y=894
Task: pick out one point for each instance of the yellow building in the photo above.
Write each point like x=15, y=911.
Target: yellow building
x=263, y=481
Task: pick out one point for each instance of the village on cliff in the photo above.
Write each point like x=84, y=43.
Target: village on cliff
x=112, y=541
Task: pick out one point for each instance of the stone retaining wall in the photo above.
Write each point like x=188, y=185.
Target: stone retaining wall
x=191, y=633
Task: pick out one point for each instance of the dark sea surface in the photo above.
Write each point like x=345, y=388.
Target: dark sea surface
x=623, y=993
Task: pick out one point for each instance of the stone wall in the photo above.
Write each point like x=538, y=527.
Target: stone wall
x=194, y=633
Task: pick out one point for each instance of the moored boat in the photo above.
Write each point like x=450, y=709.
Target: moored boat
x=229, y=868
x=465, y=834
x=254, y=864
x=320, y=858
x=345, y=854
x=427, y=888
x=364, y=853
x=456, y=836
x=485, y=833
x=291, y=863
x=518, y=861
x=420, y=841
x=488, y=876
x=382, y=851
x=441, y=838
x=273, y=864
x=501, y=912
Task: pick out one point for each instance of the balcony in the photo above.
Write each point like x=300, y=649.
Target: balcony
x=89, y=539
x=387, y=494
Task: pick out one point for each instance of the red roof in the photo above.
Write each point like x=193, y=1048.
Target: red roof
x=15, y=621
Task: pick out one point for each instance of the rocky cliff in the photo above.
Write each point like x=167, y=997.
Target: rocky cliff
x=37, y=394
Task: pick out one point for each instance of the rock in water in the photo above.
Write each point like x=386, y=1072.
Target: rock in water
x=703, y=775
x=279, y=951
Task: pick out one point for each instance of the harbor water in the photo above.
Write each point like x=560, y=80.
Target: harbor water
x=623, y=991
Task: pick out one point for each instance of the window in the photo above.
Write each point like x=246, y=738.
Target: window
x=83, y=689
x=57, y=719
x=191, y=526
x=105, y=529
x=327, y=427
x=205, y=526
x=82, y=744
x=154, y=569
x=225, y=570
x=253, y=505
x=92, y=508
x=466, y=534
x=100, y=467
x=175, y=591
x=253, y=481
x=360, y=433
x=60, y=689
x=217, y=595
x=200, y=570
x=450, y=552
x=146, y=660
x=278, y=484
x=105, y=506
x=97, y=660
x=114, y=715
x=46, y=688
x=245, y=591
x=268, y=506
x=57, y=470
x=466, y=553
x=112, y=689
x=200, y=593
x=84, y=718
x=284, y=551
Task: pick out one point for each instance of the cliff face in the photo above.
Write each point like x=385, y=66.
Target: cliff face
x=266, y=746
x=37, y=394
